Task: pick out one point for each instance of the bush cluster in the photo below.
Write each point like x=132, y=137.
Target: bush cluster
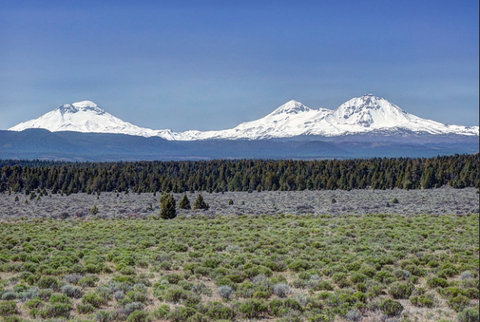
x=300, y=268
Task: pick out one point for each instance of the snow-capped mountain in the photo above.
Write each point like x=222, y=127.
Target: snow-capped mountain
x=87, y=117
x=366, y=114
x=361, y=115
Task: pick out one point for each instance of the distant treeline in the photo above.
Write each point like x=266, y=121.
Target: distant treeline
x=457, y=171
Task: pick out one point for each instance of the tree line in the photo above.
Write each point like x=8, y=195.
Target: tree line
x=457, y=171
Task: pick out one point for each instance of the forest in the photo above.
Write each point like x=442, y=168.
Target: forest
x=458, y=171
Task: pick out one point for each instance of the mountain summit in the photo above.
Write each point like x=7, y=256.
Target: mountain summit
x=360, y=115
x=83, y=106
x=291, y=107
x=87, y=117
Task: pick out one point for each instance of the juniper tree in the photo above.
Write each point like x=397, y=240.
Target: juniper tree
x=200, y=203
x=167, y=207
x=184, y=203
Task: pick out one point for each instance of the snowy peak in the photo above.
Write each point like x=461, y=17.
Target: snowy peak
x=87, y=117
x=83, y=106
x=369, y=111
x=360, y=115
x=291, y=107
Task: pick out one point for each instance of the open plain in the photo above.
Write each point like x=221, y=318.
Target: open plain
x=440, y=201
x=360, y=255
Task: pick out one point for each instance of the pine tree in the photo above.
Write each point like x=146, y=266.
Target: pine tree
x=200, y=203
x=167, y=207
x=94, y=210
x=184, y=203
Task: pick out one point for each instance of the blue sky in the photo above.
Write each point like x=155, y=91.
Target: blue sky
x=211, y=65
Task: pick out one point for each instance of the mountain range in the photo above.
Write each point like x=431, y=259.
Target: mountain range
x=362, y=127
x=360, y=115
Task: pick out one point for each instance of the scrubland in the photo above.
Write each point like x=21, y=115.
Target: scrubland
x=277, y=256
x=440, y=201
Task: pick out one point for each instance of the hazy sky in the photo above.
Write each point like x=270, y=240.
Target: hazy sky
x=211, y=65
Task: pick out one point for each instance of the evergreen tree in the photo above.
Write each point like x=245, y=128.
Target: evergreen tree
x=167, y=207
x=184, y=203
x=200, y=203
x=94, y=210
x=428, y=179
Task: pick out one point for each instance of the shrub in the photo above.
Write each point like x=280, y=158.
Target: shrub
x=368, y=271
x=93, y=299
x=48, y=282
x=104, y=316
x=437, y=282
x=447, y=272
x=225, y=291
x=261, y=295
x=177, y=294
x=85, y=308
x=181, y=314
x=60, y=298
x=299, y=265
x=8, y=308
x=276, y=308
x=72, y=291
x=13, y=318
x=135, y=296
x=56, y=310
x=358, y=278
x=341, y=279
x=282, y=290
x=34, y=303
x=360, y=296
x=469, y=315
x=45, y=294
x=179, y=248
x=119, y=295
x=415, y=270
x=173, y=278
x=323, y=286
x=72, y=278
x=471, y=293
x=134, y=306
x=9, y=295
x=127, y=270
x=385, y=277
x=201, y=289
x=467, y=275
x=400, y=290
x=253, y=309
x=353, y=267
x=139, y=316
x=458, y=303
x=89, y=281
x=354, y=315
x=391, y=308
x=422, y=300
x=216, y=311
x=162, y=312
x=293, y=304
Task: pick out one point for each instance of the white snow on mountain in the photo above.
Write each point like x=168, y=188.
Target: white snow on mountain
x=359, y=115
x=87, y=117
